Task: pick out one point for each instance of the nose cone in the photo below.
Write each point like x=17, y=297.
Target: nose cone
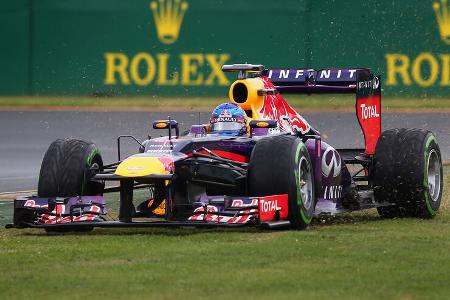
x=140, y=166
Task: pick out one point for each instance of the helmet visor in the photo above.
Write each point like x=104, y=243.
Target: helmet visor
x=227, y=126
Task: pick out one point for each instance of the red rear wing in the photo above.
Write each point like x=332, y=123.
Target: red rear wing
x=368, y=110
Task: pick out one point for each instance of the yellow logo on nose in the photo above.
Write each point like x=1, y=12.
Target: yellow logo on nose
x=442, y=11
x=162, y=125
x=168, y=15
x=262, y=124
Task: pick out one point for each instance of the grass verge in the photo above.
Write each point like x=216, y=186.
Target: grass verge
x=354, y=256
x=316, y=102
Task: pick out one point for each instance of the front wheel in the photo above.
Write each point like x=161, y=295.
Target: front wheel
x=66, y=172
x=281, y=165
x=65, y=169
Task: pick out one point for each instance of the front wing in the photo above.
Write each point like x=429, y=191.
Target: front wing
x=208, y=211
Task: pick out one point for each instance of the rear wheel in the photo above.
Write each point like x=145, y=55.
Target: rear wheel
x=408, y=173
x=66, y=172
x=281, y=165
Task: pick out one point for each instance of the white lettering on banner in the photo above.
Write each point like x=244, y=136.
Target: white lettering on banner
x=284, y=73
x=332, y=192
x=369, y=84
x=268, y=206
x=364, y=84
x=321, y=74
x=325, y=74
x=376, y=83
x=298, y=74
x=368, y=112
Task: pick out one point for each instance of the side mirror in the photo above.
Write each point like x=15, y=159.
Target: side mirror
x=167, y=124
x=261, y=127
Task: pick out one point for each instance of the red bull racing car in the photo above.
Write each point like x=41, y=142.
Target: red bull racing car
x=258, y=162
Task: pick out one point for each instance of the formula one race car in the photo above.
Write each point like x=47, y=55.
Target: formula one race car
x=276, y=173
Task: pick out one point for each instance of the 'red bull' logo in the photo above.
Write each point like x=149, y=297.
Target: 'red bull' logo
x=226, y=113
x=276, y=108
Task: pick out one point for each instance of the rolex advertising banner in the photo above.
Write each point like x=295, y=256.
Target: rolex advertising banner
x=176, y=47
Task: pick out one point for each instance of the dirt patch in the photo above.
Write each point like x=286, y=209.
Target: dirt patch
x=9, y=196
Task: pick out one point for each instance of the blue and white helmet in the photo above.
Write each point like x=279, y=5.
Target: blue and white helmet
x=229, y=119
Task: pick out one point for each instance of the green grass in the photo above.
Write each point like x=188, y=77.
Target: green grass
x=317, y=102
x=355, y=256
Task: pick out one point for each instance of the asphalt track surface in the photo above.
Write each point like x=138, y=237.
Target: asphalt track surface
x=25, y=136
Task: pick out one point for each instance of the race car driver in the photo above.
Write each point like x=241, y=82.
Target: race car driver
x=228, y=119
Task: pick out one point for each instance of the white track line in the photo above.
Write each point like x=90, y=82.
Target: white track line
x=7, y=196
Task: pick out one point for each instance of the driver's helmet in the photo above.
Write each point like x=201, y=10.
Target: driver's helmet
x=228, y=119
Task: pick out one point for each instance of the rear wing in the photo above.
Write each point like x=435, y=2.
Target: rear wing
x=359, y=81
x=362, y=82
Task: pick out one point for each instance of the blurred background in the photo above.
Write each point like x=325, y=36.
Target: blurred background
x=176, y=47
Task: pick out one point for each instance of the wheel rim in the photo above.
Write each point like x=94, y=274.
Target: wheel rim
x=434, y=175
x=305, y=183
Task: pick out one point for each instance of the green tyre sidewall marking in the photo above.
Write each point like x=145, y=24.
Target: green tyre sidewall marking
x=91, y=156
x=430, y=208
x=303, y=215
x=89, y=159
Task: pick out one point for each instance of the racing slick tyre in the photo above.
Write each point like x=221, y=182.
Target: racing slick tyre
x=281, y=165
x=66, y=171
x=408, y=173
